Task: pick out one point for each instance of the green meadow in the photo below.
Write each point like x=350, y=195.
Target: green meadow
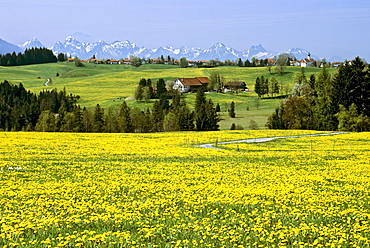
x=109, y=85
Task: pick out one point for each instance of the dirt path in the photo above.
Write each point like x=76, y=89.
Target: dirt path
x=47, y=82
x=259, y=140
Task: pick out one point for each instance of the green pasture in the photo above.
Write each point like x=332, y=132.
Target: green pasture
x=109, y=85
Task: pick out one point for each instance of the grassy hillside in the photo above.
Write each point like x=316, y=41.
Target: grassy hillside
x=109, y=85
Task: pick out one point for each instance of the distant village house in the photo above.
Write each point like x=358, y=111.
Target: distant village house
x=235, y=86
x=185, y=85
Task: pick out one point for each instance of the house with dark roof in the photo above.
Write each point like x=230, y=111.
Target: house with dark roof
x=235, y=86
x=185, y=85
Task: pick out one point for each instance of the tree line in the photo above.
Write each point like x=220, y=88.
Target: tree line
x=327, y=102
x=21, y=109
x=30, y=56
x=53, y=111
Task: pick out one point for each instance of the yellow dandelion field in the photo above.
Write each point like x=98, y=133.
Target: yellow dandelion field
x=159, y=190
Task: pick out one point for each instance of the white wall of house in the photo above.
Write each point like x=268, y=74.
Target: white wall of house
x=306, y=64
x=180, y=87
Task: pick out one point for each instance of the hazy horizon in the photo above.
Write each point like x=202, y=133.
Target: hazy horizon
x=324, y=27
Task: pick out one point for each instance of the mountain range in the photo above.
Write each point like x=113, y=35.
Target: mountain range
x=124, y=49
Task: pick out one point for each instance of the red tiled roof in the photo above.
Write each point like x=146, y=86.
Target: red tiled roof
x=307, y=60
x=203, y=80
x=190, y=81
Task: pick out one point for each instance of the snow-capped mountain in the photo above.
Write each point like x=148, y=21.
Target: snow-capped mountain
x=71, y=47
x=124, y=49
x=34, y=42
x=300, y=53
x=219, y=51
x=257, y=51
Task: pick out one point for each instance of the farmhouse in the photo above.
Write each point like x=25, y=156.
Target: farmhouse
x=336, y=64
x=114, y=62
x=190, y=84
x=307, y=61
x=235, y=86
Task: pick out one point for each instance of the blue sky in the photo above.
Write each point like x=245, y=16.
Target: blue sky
x=323, y=27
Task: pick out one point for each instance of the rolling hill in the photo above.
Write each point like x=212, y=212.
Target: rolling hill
x=109, y=85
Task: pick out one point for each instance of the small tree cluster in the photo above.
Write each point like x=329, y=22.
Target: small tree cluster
x=328, y=102
x=262, y=86
x=216, y=82
x=145, y=90
x=205, y=115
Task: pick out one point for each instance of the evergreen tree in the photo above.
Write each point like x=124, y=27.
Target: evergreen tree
x=352, y=85
x=239, y=62
x=186, y=117
x=143, y=82
x=164, y=103
x=124, y=119
x=161, y=89
x=212, y=117
x=200, y=114
x=232, y=110
x=258, y=87
x=264, y=86
x=300, y=77
x=247, y=63
x=218, y=108
x=77, y=120
x=139, y=93
x=157, y=117
x=275, y=121
x=140, y=120
x=111, y=121
x=176, y=100
x=324, y=109
x=147, y=94
x=46, y=122
x=312, y=83
x=261, y=87
x=205, y=115
x=98, y=119
x=274, y=86
x=171, y=122
x=61, y=57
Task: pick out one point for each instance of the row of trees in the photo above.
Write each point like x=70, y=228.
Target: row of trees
x=327, y=102
x=163, y=117
x=30, y=56
x=263, y=86
x=53, y=111
x=20, y=109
